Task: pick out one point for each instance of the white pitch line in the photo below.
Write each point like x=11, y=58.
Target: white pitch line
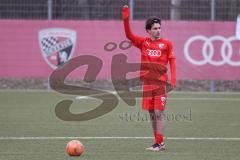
x=181, y=99
x=217, y=138
x=169, y=138
x=191, y=99
x=209, y=99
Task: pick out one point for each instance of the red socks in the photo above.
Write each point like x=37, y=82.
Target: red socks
x=158, y=138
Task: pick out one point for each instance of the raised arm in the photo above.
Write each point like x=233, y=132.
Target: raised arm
x=136, y=40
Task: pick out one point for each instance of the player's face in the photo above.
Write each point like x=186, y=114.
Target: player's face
x=154, y=32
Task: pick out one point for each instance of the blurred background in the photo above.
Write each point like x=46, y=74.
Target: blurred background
x=24, y=65
x=195, y=10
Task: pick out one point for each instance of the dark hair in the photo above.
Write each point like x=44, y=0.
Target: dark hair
x=150, y=21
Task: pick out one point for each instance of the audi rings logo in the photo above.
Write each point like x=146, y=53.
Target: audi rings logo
x=208, y=51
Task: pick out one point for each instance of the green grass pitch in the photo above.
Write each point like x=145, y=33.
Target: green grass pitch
x=26, y=117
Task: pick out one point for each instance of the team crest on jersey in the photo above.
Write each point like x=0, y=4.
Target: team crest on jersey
x=57, y=45
x=161, y=45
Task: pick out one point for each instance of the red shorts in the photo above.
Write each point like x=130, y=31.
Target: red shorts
x=154, y=97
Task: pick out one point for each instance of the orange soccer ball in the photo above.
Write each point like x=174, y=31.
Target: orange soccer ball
x=74, y=148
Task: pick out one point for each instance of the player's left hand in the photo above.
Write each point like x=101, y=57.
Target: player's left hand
x=173, y=83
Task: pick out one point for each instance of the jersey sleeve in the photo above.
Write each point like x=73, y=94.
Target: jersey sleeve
x=172, y=62
x=136, y=40
x=170, y=51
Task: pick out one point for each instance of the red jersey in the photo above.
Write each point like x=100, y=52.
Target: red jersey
x=156, y=53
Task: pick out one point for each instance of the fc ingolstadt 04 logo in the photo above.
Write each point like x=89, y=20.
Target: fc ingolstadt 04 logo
x=57, y=45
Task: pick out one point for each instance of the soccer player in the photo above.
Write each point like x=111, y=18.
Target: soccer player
x=154, y=50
